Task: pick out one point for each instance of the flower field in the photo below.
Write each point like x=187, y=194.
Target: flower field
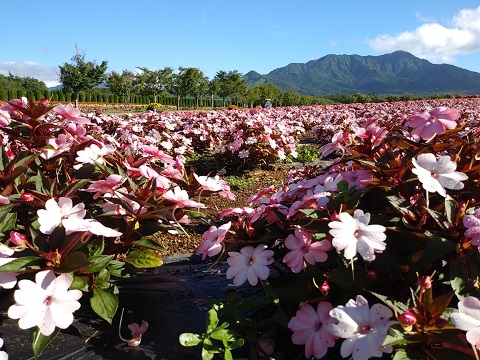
x=374, y=255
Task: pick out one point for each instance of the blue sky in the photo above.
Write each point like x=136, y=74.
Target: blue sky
x=212, y=35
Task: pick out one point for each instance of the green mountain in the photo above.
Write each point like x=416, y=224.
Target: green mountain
x=397, y=73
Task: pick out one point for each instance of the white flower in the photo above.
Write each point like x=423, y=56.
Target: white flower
x=353, y=234
x=3, y=354
x=468, y=319
x=91, y=155
x=435, y=175
x=7, y=279
x=364, y=329
x=249, y=264
x=62, y=212
x=46, y=303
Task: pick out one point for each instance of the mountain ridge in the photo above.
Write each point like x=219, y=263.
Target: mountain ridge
x=395, y=73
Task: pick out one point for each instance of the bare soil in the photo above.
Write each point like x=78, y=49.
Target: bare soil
x=259, y=179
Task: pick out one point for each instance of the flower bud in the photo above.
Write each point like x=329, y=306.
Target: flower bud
x=17, y=238
x=425, y=282
x=334, y=216
x=325, y=288
x=372, y=274
x=407, y=318
x=27, y=196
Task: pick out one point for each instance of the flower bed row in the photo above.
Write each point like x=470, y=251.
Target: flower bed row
x=392, y=222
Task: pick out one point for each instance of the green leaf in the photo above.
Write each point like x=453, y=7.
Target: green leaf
x=190, y=339
x=79, y=283
x=212, y=320
x=73, y=262
x=223, y=335
x=228, y=354
x=40, y=341
x=144, y=258
x=450, y=206
x=104, y=303
x=149, y=244
x=8, y=219
x=22, y=264
x=96, y=247
x=237, y=344
x=117, y=268
x=98, y=263
x=102, y=279
x=392, y=304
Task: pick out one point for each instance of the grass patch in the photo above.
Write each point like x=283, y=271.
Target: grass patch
x=241, y=182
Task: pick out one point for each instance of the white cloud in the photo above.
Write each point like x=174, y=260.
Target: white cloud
x=434, y=41
x=48, y=74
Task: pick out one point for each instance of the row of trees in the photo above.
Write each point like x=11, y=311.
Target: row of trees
x=81, y=79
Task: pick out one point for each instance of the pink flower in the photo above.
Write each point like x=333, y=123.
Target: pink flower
x=7, y=279
x=435, y=175
x=4, y=118
x=46, y=303
x=363, y=328
x=109, y=185
x=157, y=154
x=213, y=240
x=249, y=264
x=137, y=332
x=468, y=319
x=18, y=238
x=304, y=250
x=472, y=223
x=180, y=198
x=353, y=234
x=56, y=146
x=4, y=200
x=63, y=213
x=161, y=182
x=358, y=178
x=312, y=328
x=70, y=113
x=433, y=122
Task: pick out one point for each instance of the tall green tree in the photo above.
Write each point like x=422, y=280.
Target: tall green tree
x=196, y=83
x=213, y=88
x=230, y=84
x=121, y=85
x=81, y=75
x=154, y=82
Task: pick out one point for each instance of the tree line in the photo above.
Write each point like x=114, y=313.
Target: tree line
x=187, y=87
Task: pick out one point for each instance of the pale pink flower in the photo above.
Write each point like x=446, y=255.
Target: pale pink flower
x=180, y=198
x=76, y=130
x=56, y=146
x=249, y=264
x=4, y=200
x=63, y=213
x=13, y=111
x=157, y=154
x=71, y=113
x=468, y=319
x=108, y=185
x=95, y=227
x=358, y=178
x=436, y=175
x=208, y=184
x=372, y=132
x=364, y=329
x=46, y=303
x=161, y=182
x=312, y=328
x=353, y=234
x=92, y=154
x=433, y=122
x=7, y=279
x=4, y=118
x=472, y=223
x=213, y=240
x=137, y=332
x=302, y=249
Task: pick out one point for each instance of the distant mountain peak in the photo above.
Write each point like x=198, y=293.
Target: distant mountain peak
x=397, y=73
